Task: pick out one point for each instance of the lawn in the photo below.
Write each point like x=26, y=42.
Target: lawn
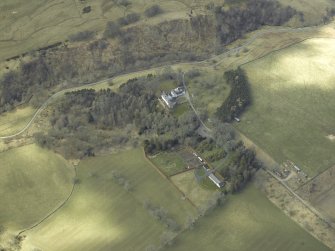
x=102, y=215
x=247, y=222
x=187, y=183
x=180, y=109
x=170, y=163
x=33, y=181
x=293, y=102
x=208, y=90
x=14, y=121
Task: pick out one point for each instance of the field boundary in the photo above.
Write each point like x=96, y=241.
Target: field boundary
x=56, y=209
x=312, y=179
x=167, y=178
x=184, y=171
x=286, y=47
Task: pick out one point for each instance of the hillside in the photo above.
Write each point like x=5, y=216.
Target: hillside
x=167, y=125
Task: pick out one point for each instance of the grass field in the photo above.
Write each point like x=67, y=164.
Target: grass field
x=14, y=121
x=169, y=162
x=293, y=99
x=102, y=215
x=33, y=181
x=247, y=222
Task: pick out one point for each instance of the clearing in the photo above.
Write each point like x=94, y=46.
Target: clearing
x=293, y=97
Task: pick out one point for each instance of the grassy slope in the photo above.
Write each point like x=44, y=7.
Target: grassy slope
x=247, y=222
x=27, y=25
x=33, y=181
x=14, y=121
x=101, y=215
x=293, y=99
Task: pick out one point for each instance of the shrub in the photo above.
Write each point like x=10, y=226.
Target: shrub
x=87, y=9
x=112, y=30
x=81, y=36
x=129, y=19
x=153, y=11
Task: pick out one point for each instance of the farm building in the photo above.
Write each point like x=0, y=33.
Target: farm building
x=216, y=180
x=170, y=98
x=177, y=92
x=219, y=183
x=297, y=168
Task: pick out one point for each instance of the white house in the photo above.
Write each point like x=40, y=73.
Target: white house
x=170, y=99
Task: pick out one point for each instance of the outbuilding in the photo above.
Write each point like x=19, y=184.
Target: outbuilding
x=219, y=183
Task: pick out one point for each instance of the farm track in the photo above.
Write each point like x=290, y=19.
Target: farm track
x=216, y=59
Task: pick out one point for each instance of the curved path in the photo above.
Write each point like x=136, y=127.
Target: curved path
x=191, y=104
x=218, y=58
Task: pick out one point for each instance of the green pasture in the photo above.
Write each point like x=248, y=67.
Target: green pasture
x=247, y=222
x=33, y=182
x=291, y=116
x=102, y=215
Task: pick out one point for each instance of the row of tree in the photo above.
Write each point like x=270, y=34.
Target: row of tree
x=241, y=162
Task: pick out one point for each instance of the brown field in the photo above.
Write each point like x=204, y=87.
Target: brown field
x=320, y=192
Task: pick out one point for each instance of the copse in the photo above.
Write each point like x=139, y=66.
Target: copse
x=153, y=11
x=234, y=22
x=239, y=97
x=129, y=19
